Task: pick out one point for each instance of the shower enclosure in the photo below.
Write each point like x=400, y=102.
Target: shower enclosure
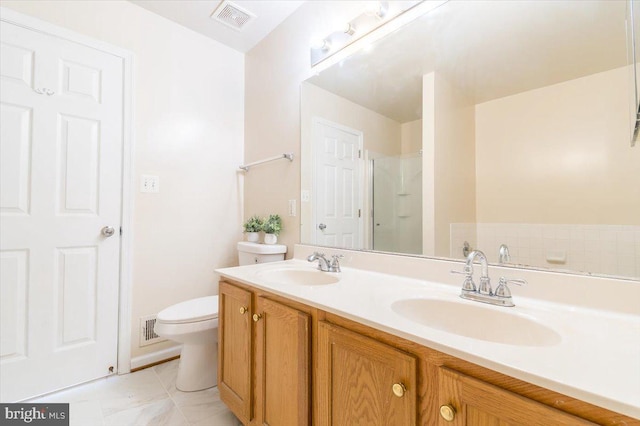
x=396, y=203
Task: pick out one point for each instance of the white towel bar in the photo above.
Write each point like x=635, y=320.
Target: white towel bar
x=287, y=155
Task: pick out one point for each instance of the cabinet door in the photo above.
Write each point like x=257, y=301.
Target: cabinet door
x=282, y=364
x=476, y=403
x=234, y=350
x=362, y=381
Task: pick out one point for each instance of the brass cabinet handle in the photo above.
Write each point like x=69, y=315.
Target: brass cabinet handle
x=256, y=317
x=398, y=389
x=243, y=309
x=447, y=412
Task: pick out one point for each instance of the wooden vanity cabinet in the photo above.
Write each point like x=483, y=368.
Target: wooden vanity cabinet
x=263, y=358
x=363, y=376
x=361, y=381
x=466, y=401
x=235, y=343
x=282, y=359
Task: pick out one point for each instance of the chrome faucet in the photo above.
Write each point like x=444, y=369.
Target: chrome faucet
x=485, y=294
x=503, y=252
x=485, y=281
x=325, y=265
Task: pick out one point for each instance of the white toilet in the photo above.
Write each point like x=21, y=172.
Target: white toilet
x=194, y=323
x=250, y=253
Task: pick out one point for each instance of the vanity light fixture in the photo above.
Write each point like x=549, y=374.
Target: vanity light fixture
x=348, y=28
x=373, y=16
x=377, y=8
x=321, y=44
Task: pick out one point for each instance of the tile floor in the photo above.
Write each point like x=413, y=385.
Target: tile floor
x=146, y=397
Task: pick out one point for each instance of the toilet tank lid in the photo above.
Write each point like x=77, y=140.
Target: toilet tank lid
x=247, y=247
x=200, y=309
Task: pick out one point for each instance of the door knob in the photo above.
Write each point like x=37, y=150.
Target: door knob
x=447, y=412
x=256, y=317
x=398, y=389
x=108, y=231
x=243, y=309
x=322, y=226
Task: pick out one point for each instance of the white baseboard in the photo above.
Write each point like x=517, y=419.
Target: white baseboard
x=161, y=355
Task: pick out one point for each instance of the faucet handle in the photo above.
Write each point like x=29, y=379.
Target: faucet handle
x=467, y=270
x=468, y=284
x=335, y=262
x=503, y=290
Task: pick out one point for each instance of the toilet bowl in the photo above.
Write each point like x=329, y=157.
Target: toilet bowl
x=194, y=323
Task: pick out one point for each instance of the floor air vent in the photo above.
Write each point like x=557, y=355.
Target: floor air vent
x=147, y=335
x=232, y=15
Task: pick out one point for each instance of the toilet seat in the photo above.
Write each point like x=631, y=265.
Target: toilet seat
x=194, y=310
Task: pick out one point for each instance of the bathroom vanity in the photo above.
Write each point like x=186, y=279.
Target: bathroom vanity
x=298, y=346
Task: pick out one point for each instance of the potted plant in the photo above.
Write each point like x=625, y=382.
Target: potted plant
x=272, y=227
x=252, y=227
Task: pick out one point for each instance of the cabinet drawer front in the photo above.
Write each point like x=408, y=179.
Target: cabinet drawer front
x=481, y=404
x=234, y=349
x=362, y=381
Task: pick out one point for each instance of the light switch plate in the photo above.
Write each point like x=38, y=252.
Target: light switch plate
x=292, y=208
x=304, y=195
x=149, y=183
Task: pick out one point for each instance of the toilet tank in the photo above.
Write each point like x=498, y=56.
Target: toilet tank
x=250, y=253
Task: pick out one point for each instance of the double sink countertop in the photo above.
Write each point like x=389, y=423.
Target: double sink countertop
x=585, y=353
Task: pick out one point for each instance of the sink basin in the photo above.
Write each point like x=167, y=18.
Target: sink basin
x=478, y=322
x=299, y=276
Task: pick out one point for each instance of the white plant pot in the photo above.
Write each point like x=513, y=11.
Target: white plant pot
x=270, y=238
x=253, y=237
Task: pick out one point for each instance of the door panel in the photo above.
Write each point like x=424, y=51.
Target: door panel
x=15, y=159
x=79, y=156
x=62, y=149
x=14, y=266
x=337, y=185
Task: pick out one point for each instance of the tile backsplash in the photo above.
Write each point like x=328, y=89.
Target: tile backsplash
x=600, y=249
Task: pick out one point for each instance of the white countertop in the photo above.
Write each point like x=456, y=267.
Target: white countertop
x=597, y=359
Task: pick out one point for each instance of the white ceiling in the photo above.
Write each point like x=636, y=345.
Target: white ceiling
x=195, y=14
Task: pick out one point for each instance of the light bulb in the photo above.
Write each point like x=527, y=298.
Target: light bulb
x=375, y=8
x=320, y=44
x=348, y=28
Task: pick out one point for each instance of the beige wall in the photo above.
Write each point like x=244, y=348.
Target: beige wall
x=455, y=191
x=411, y=136
x=381, y=135
x=559, y=154
x=273, y=72
x=448, y=162
x=428, y=161
x=188, y=130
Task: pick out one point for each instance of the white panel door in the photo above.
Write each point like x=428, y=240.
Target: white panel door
x=60, y=184
x=337, y=191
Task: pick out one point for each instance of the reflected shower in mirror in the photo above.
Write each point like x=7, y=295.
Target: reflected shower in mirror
x=477, y=125
x=396, y=196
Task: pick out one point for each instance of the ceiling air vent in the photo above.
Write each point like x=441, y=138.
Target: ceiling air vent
x=232, y=15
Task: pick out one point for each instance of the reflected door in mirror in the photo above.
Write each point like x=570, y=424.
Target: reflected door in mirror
x=338, y=198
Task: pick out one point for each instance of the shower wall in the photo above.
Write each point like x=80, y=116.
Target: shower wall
x=397, y=204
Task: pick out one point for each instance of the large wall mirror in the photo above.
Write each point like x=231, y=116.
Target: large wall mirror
x=497, y=125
